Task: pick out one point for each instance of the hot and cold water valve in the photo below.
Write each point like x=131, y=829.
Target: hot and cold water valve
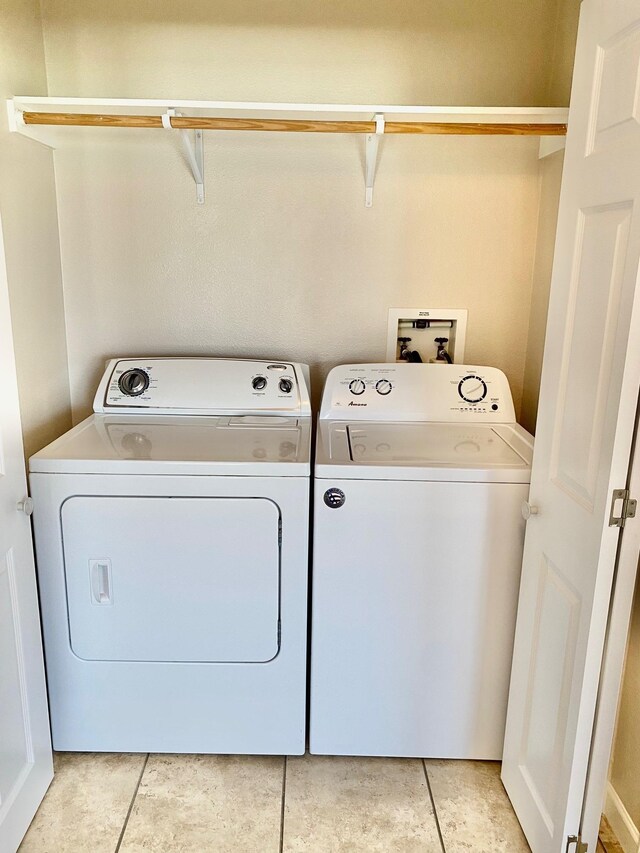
x=435, y=335
x=407, y=353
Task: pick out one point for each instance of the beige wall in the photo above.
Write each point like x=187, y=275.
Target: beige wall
x=550, y=178
x=355, y=51
x=284, y=260
x=561, y=70
x=559, y=90
x=30, y=231
x=625, y=774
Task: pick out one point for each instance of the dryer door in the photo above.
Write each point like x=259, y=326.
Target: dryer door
x=172, y=579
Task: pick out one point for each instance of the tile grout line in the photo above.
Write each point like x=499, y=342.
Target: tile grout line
x=284, y=789
x=433, y=806
x=133, y=799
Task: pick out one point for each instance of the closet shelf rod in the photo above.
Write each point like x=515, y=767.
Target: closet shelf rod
x=292, y=125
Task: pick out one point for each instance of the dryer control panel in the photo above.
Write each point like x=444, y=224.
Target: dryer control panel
x=206, y=386
x=418, y=392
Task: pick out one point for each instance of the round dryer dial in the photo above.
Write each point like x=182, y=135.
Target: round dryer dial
x=472, y=389
x=357, y=386
x=383, y=386
x=133, y=382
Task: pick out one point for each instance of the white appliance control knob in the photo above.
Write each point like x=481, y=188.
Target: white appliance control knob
x=383, y=386
x=259, y=382
x=357, y=386
x=528, y=510
x=25, y=506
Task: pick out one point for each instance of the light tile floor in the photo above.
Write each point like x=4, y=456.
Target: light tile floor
x=260, y=804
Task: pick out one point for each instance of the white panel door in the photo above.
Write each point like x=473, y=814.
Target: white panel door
x=588, y=396
x=25, y=747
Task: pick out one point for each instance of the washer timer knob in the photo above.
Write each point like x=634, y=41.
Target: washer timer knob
x=383, y=386
x=285, y=385
x=472, y=389
x=357, y=387
x=259, y=383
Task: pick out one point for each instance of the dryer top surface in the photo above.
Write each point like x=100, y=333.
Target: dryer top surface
x=130, y=444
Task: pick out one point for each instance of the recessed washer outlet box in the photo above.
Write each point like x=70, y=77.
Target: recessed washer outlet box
x=422, y=326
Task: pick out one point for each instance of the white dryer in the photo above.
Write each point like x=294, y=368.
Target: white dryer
x=421, y=471
x=172, y=549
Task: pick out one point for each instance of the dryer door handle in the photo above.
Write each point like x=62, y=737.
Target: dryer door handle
x=100, y=571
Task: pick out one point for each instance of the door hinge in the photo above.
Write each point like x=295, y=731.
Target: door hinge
x=581, y=846
x=627, y=508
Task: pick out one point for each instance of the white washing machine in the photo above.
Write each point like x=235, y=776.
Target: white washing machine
x=172, y=549
x=420, y=474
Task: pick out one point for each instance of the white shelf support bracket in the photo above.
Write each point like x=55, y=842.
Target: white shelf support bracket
x=549, y=145
x=371, y=158
x=15, y=120
x=193, y=151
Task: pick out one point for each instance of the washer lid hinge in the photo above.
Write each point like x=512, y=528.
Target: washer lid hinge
x=279, y=532
x=581, y=846
x=627, y=510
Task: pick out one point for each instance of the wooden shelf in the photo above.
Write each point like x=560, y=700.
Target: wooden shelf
x=35, y=117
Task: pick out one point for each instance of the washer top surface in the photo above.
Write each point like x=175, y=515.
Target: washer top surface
x=421, y=422
x=435, y=444
x=193, y=417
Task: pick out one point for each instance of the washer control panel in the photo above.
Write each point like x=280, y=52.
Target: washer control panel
x=202, y=386
x=430, y=392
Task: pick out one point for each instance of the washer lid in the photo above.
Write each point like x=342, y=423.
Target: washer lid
x=431, y=444
x=419, y=450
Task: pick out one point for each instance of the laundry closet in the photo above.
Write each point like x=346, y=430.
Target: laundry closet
x=111, y=249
